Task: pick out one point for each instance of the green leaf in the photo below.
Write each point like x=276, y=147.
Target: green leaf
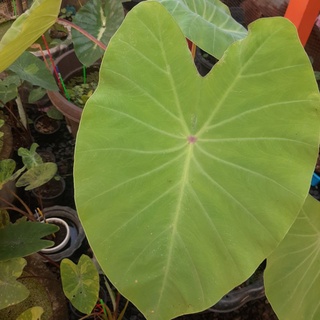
x=101, y=19
x=186, y=182
x=33, y=313
x=30, y=158
x=24, y=238
x=32, y=69
x=27, y=29
x=9, y=88
x=54, y=113
x=4, y=218
x=7, y=167
x=36, y=94
x=37, y=176
x=207, y=23
x=12, y=291
x=80, y=283
x=292, y=278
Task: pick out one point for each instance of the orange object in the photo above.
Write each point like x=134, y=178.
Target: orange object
x=192, y=48
x=303, y=14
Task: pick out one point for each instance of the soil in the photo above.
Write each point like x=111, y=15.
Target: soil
x=82, y=85
x=45, y=125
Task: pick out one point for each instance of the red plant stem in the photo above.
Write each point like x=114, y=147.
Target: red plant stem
x=51, y=60
x=31, y=217
x=26, y=213
x=85, y=33
x=14, y=209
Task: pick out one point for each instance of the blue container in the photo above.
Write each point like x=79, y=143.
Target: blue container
x=315, y=180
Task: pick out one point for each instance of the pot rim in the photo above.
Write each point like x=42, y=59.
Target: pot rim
x=52, y=197
x=66, y=239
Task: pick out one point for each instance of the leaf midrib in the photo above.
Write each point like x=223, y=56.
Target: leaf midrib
x=176, y=217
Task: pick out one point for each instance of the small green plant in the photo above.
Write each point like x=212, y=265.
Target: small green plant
x=67, y=13
x=81, y=284
x=34, y=172
x=29, y=72
x=25, y=235
x=79, y=91
x=18, y=239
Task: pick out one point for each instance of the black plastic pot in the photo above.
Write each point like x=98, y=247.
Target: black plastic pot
x=46, y=156
x=252, y=289
x=77, y=235
x=47, y=128
x=50, y=193
x=238, y=297
x=128, y=5
x=204, y=61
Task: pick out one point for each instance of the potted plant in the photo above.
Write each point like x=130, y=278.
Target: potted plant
x=19, y=238
x=46, y=126
x=92, y=296
x=50, y=193
x=27, y=280
x=69, y=66
x=54, y=232
x=198, y=188
x=12, y=93
x=34, y=172
x=204, y=61
x=86, y=52
x=54, y=42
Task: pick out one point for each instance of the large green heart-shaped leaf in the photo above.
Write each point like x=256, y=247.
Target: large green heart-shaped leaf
x=32, y=69
x=12, y=291
x=207, y=23
x=185, y=184
x=23, y=238
x=292, y=277
x=80, y=283
x=101, y=19
x=27, y=29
